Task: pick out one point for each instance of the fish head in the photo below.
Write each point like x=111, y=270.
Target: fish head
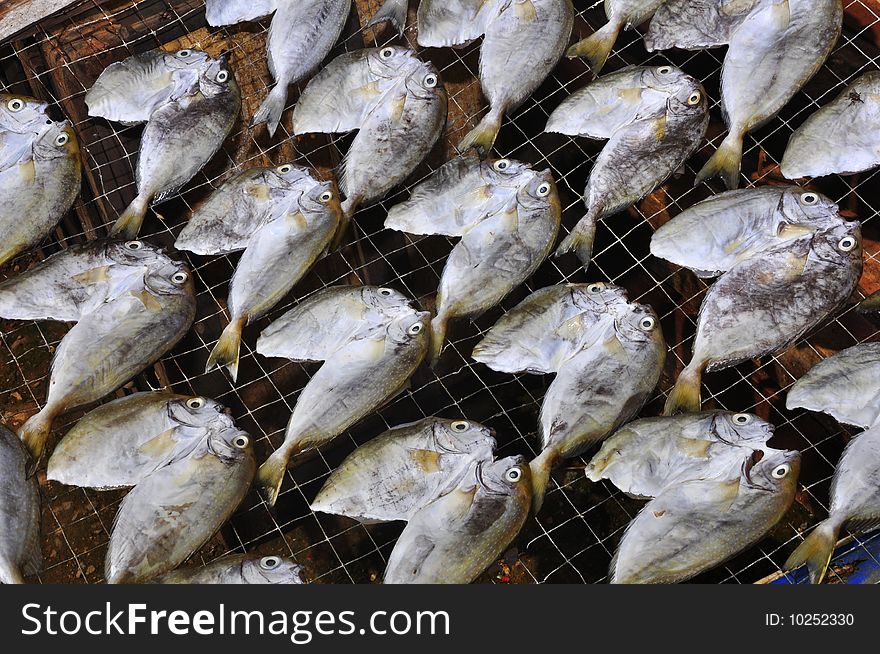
x=167, y=276
x=637, y=323
x=463, y=437
x=537, y=191
x=230, y=445
x=272, y=570
x=384, y=301
x=424, y=82
x=510, y=476
x=597, y=296
x=689, y=98
x=776, y=471
x=216, y=77
x=807, y=210
x=840, y=244
x=739, y=429
x=287, y=175
x=198, y=412
x=504, y=172
x=186, y=58
x=414, y=327
x=22, y=114
x=322, y=197
x=391, y=61
x=57, y=140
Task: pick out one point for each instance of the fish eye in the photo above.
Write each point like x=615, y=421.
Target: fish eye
x=270, y=562
x=183, y=54
x=809, y=198
x=430, y=80
x=501, y=164
x=222, y=76
x=326, y=196
x=241, y=442
x=284, y=169
x=513, y=475
x=647, y=323
x=386, y=53
x=780, y=471
x=179, y=277
x=195, y=402
x=385, y=292
x=664, y=70
x=460, y=425
x=695, y=98
x=134, y=245
x=543, y=190
x=742, y=418
x=595, y=288
x=415, y=329
x=61, y=140
x=15, y=105
x=846, y=244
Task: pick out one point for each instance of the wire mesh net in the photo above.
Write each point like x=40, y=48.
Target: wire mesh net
x=574, y=537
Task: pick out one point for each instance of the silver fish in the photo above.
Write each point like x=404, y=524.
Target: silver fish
x=129, y=91
x=695, y=525
x=355, y=380
x=622, y=15
x=22, y=119
x=841, y=137
x=37, y=190
x=20, y=553
x=397, y=473
x=777, y=48
x=714, y=235
x=301, y=35
x=654, y=119
x=695, y=24
x=607, y=354
x=855, y=504
x=181, y=136
x=457, y=536
x=646, y=456
x=289, y=231
x=523, y=42
x=497, y=251
x=122, y=442
x=393, y=12
x=140, y=303
x=845, y=386
x=765, y=304
x=239, y=569
x=175, y=510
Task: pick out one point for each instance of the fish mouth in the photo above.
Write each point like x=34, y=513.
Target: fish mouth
x=748, y=465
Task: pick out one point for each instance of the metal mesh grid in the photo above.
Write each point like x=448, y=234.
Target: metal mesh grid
x=574, y=537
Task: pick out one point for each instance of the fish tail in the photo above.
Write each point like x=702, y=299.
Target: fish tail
x=870, y=304
x=685, y=395
x=596, y=47
x=725, y=163
x=225, y=352
x=392, y=11
x=816, y=550
x=271, y=109
x=541, y=466
x=438, y=338
x=482, y=137
x=129, y=223
x=271, y=475
x=11, y=575
x=34, y=434
x=580, y=240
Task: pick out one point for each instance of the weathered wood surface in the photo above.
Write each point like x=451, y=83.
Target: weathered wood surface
x=17, y=15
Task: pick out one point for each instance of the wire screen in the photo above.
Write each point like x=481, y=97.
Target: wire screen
x=575, y=535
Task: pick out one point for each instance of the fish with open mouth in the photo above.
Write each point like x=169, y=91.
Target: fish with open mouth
x=693, y=526
x=457, y=536
x=239, y=569
x=654, y=118
x=20, y=553
x=397, y=473
x=766, y=303
x=284, y=219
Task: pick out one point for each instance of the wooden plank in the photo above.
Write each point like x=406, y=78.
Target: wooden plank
x=17, y=15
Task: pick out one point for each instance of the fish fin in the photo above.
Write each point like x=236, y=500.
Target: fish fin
x=12, y=575
x=482, y=137
x=92, y=276
x=129, y=223
x=349, y=206
x=685, y=395
x=725, y=162
x=428, y=461
x=271, y=109
x=34, y=433
x=580, y=239
x=225, y=352
x=393, y=12
x=541, y=467
x=815, y=551
x=270, y=476
x=596, y=47
x=438, y=338
x=870, y=304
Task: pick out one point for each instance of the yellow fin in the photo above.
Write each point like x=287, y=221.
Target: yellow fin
x=93, y=276
x=525, y=11
x=146, y=298
x=158, y=446
x=427, y=460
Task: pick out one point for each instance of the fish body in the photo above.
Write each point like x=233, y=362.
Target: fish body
x=239, y=569
x=765, y=304
x=219, y=13
x=776, y=49
x=693, y=526
x=714, y=235
x=397, y=473
x=20, y=553
x=22, y=119
x=175, y=510
x=122, y=442
x=181, y=136
x=39, y=188
x=457, y=536
x=654, y=119
x=648, y=455
x=841, y=137
x=695, y=24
